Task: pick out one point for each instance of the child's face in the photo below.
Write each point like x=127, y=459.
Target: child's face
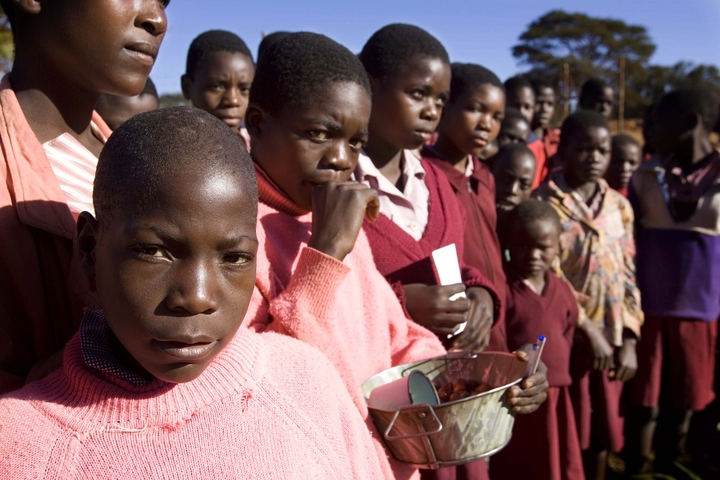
x=406, y=108
x=533, y=248
x=672, y=132
x=513, y=180
x=109, y=46
x=175, y=278
x=117, y=110
x=524, y=100
x=313, y=143
x=473, y=120
x=605, y=102
x=544, y=106
x=624, y=161
x=587, y=156
x=513, y=130
x=220, y=85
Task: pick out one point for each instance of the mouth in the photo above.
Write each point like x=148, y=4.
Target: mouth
x=194, y=351
x=424, y=134
x=231, y=121
x=145, y=53
x=480, y=141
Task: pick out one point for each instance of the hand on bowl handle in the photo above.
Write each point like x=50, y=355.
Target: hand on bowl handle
x=532, y=392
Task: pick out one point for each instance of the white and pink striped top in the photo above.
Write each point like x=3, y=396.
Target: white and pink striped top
x=74, y=166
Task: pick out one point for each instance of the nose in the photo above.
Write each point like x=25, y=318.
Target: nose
x=338, y=157
x=232, y=97
x=515, y=188
x=195, y=290
x=431, y=110
x=535, y=254
x=151, y=17
x=485, y=122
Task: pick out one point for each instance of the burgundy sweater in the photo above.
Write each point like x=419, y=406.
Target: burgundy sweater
x=403, y=260
x=554, y=314
x=482, y=245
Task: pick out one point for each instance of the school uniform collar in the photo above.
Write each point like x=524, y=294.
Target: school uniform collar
x=38, y=199
x=411, y=167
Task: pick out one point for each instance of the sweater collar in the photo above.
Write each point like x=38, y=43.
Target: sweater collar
x=457, y=178
x=94, y=403
x=271, y=195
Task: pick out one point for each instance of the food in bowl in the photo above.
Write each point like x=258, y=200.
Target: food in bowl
x=458, y=389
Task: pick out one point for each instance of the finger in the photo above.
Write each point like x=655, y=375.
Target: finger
x=450, y=290
x=372, y=211
x=446, y=305
x=528, y=409
x=448, y=319
x=522, y=355
x=443, y=332
x=536, y=398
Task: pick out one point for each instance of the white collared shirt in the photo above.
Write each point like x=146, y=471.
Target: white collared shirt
x=407, y=209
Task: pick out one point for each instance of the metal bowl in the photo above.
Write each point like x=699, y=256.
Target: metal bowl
x=453, y=433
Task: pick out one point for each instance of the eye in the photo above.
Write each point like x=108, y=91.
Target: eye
x=154, y=251
x=216, y=86
x=244, y=91
x=417, y=94
x=237, y=258
x=357, y=144
x=318, y=134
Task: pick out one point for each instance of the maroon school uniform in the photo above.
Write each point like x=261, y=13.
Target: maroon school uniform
x=482, y=246
x=545, y=443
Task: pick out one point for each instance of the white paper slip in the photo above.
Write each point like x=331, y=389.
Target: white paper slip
x=447, y=270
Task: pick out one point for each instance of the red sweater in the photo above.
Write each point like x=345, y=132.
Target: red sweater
x=403, y=260
x=482, y=246
x=554, y=314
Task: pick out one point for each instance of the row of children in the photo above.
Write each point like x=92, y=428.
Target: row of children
x=175, y=261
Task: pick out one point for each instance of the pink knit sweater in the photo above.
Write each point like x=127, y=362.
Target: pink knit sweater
x=345, y=309
x=267, y=407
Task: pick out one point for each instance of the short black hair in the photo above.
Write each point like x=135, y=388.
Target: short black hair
x=149, y=89
x=513, y=84
x=269, y=39
x=512, y=113
x=539, y=84
x=143, y=153
x=391, y=48
x=622, y=139
x=691, y=100
x=299, y=67
x=213, y=41
x=468, y=76
x=507, y=152
x=578, y=124
x=590, y=91
x=531, y=211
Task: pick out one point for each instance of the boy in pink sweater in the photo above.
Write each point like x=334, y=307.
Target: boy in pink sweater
x=161, y=383
x=316, y=280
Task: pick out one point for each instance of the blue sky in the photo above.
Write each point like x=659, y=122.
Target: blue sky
x=479, y=31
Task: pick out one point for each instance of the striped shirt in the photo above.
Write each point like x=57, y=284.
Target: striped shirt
x=74, y=166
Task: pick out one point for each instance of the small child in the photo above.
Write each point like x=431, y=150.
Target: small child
x=520, y=95
x=66, y=55
x=676, y=196
x=597, y=253
x=162, y=382
x=116, y=109
x=513, y=170
x=598, y=96
x=544, y=445
x=545, y=101
x=514, y=128
x=624, y=160
x=218, y=76
x=316, y=280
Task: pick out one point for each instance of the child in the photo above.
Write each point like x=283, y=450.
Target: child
x=514, y=128
x=678, y=242
x=520, y=95
x=403, y=58
x=545, y=101
x=624, y=160
x=316, y=281
x=597, y=96
x=513, y=170
x=160, y=383
x=50, y=141
x=544, y=444
x=597, y=257
x=116, y=109
x=218, y=76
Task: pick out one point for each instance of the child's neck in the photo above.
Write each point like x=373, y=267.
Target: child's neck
x=387, y=158
x=538, y=281
x=52, y=104
x=449, y=152
x=586, y=190
x=539, y=132
x=693, y=152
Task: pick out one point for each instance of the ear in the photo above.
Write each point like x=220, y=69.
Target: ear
x=186, y=85
x=255, y=119
x=87, y=233
x=31, y=7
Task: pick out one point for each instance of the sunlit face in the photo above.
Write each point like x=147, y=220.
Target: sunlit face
x=533, y=248
x=313, y=143
x=220, y=85
x=175, y=277
x=514, y=175
x=406, y=107
x=523, y=99
x=587, y=156
x=544, y=107
x=472, y=121
x=513, y=130
x=625, y=159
